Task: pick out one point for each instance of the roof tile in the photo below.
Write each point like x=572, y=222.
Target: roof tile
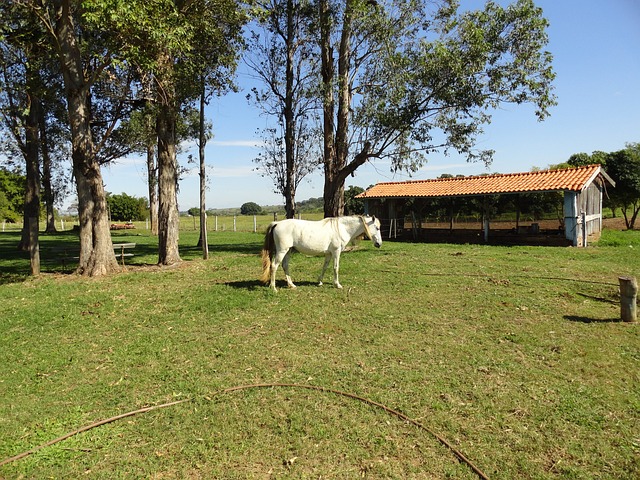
x=572, y=179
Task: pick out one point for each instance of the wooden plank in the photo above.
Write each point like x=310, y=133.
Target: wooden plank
x=628, y=298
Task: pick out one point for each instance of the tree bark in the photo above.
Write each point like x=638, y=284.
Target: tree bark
x=47, y=185
x=152, y=174
x=168, y=218
x=336, y=133
x=327, y=71
x=31, y=224
x=203, y=179
x=289, y=132
x=96, y=249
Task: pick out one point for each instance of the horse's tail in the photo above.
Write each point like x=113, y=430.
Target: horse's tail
x=268, y=250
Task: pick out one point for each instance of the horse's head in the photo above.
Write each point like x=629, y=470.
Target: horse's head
x=372, y=229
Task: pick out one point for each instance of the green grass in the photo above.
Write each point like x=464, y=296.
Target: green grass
x=513, y=354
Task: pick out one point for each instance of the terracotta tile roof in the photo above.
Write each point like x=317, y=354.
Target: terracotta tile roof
x=572, y=179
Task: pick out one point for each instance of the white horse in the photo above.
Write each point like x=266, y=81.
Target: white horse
x=327, y=237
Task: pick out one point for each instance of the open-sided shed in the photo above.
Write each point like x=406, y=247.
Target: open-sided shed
x=583, y=189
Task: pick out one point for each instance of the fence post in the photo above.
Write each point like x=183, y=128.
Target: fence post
x=628, y=298
x=216, y=224
x=234, y=223
x=255, y=224
x=275, y=216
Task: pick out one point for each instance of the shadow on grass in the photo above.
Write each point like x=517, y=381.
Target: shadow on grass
x=612, y=301
x=256, y=284
x=244, y=248
x=579, y=319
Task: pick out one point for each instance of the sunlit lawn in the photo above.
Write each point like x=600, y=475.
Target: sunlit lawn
x=515, y=355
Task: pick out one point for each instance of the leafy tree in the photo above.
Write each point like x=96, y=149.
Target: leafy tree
x=21, y=86
x=127, y=208
x=194, y=211
x=97, y=92
x=251, y=208
x=311, y=205
x=280, y=60
x=353, y=205
x=624, y=167
x=12, y=185
x=175, y=42
x=400, y=79
x=584, y=159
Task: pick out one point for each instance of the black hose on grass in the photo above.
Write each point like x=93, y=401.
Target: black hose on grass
x=391, y=411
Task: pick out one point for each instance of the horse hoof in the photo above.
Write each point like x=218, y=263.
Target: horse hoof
x=338, y=285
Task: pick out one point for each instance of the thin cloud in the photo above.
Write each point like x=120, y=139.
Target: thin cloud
x=219, y=172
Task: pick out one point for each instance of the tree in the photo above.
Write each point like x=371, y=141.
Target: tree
x=174, y=43
x=624, y=167
x=401, y=81
x=282, y=60
x=96, y=89
x=584, y=159
x=353, y=205
x=124, y=208
x=12, y=186
x=21, y=84
x=251, y=208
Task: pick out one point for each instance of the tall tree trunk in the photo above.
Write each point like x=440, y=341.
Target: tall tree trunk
x=152, y=173
x=47, y=187
x=327, y=71
x=168, y=218
x=203, y=242
x=289, y=121
x=30, y=229
x=335, y=161
x=96, y=249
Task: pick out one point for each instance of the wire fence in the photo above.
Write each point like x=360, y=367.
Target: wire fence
x=215, y=223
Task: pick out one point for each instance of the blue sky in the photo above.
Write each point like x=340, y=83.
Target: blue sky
x=596, y=50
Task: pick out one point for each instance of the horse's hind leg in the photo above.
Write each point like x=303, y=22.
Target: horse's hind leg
x=327, y=259
x=285, y=267
x=277, y=259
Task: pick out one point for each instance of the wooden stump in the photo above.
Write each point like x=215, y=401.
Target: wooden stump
x=628, y=298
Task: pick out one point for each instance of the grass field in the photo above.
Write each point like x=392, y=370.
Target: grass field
x=514, y=355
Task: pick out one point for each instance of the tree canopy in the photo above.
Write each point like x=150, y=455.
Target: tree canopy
x=12, y=185
x=126, y=208
x=250, y=208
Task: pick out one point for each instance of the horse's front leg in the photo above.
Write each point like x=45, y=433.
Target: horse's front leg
x=336, y=267
x=327, y=259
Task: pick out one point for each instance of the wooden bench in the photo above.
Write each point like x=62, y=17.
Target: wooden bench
x=120, y=250
x=65, y=255
x=69, y=254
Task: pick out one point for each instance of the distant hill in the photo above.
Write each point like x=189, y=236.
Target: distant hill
x=309, y=205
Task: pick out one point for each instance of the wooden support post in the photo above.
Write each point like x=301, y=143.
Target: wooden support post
x=628, y=298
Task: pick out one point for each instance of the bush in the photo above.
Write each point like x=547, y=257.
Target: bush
x=124, y=208
x=250, y=208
